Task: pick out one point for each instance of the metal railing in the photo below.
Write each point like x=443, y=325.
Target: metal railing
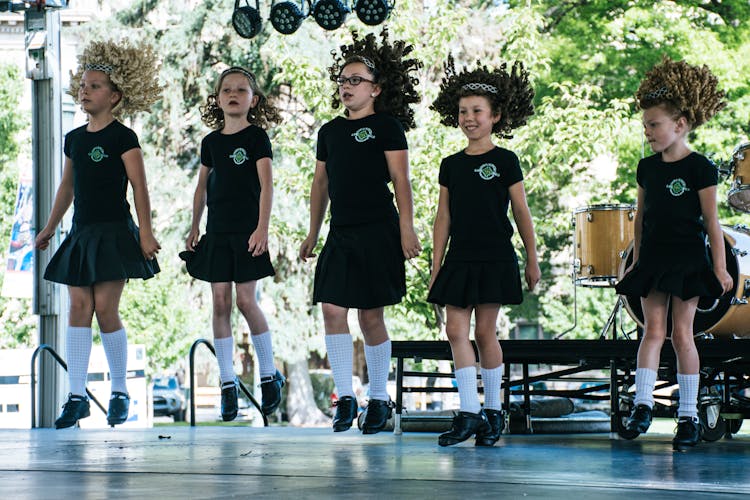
x=244, y=389
x=61, y=362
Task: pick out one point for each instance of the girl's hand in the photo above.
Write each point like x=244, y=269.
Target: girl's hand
x=257, y=244
x=410, y=243
x=149, y=246
x=725, y=279
x=192, y=240
x=42, y=239
x=533, y=274
x=307, y=247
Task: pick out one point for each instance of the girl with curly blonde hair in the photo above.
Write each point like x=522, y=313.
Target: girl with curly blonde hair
x=235, y=182
x=676, y=210
x=361, y=265
x=104, y=247
x=480, y=272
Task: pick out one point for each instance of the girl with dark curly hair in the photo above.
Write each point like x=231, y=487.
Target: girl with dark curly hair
x=104, y=248
x=361, y=265
x=235, y=182
x=480, y=270
x=676, y=210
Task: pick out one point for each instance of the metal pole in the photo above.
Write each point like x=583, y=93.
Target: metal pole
x=43, y=68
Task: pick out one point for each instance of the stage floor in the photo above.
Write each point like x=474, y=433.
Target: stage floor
x=280, y=462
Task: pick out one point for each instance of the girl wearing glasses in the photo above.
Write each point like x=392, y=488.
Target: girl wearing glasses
x=361, y=265
x=480, y=270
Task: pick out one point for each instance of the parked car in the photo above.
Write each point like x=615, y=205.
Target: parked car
x=168, y=398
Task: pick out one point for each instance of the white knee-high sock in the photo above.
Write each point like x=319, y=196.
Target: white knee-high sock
x=116, y=348
x=645, y=380
x=225, y=356
x=492, y=379
x=378, y=359
x=264, y=354
x=340, y=352
x=468, y=396
x=688, y=384
x=78, y=351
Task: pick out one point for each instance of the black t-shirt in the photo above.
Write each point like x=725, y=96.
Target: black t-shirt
x=233, y=184
x=672, y=216
x=478, y=200
x=99, y=178
x=358, y=177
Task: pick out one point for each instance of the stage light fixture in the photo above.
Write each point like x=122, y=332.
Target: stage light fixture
x=286, y=17
x=330, y=14
x=246, y=20
x=373, y=12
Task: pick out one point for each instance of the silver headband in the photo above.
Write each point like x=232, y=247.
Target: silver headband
x=367, y=62
x=480, y=86
x=237, y=69
x=105, y=68
x=656, y=94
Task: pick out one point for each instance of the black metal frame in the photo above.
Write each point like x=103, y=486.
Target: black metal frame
x=244, y=389
x=61, y=362
x=725, y=362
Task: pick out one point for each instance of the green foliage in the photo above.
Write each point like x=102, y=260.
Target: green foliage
x=17, y=325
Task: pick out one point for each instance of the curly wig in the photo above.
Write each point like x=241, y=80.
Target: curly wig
x=263, y=114
x=510, y=94
x=690, y=91
x=132, y=68
x=391, y=70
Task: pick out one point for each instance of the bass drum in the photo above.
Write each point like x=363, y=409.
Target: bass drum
x=724, y=317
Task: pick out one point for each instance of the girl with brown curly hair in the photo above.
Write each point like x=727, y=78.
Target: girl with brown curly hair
x=361, y=265
x=235, y=182
x=676, y=210
x=104, y=247
x=479, y=273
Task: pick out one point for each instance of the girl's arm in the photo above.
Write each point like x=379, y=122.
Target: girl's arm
x=136, y=172
x=398, y=168
x=440, y=232
x=63, y=199
x=318, y=206
x=258, y=242
x=199, y=203
x=637, y=227
x=525, y=225
x=707, y=198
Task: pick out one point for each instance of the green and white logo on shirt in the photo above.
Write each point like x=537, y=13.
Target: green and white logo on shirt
x=363, y=134
x=487, y=171
x=97, y=154
x=677, y=187
x=239, y=156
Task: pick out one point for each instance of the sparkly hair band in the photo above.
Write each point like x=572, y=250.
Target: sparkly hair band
x=237, y=69
x=656, y=94
x=367, y=62
x=480, y=86
x=105, y=68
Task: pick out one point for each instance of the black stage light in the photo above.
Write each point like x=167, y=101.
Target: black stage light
x=246, y=20
x=373, y=12
x=286, y=17
x=330, y=14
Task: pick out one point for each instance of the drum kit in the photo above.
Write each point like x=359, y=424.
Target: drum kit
x=603, y=249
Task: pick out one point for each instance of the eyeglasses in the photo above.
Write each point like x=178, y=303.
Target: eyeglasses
x=351, y=80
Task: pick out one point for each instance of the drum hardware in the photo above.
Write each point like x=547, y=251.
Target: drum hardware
x=709, y=309
x=739, y=194
x=738, y=302
x=738, y=252
x=742, y=227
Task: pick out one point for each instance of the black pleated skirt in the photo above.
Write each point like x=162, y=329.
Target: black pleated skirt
x=684, y=273
x=223, y=258
x=463, y=284
x=105, y=251
x=361, y=266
